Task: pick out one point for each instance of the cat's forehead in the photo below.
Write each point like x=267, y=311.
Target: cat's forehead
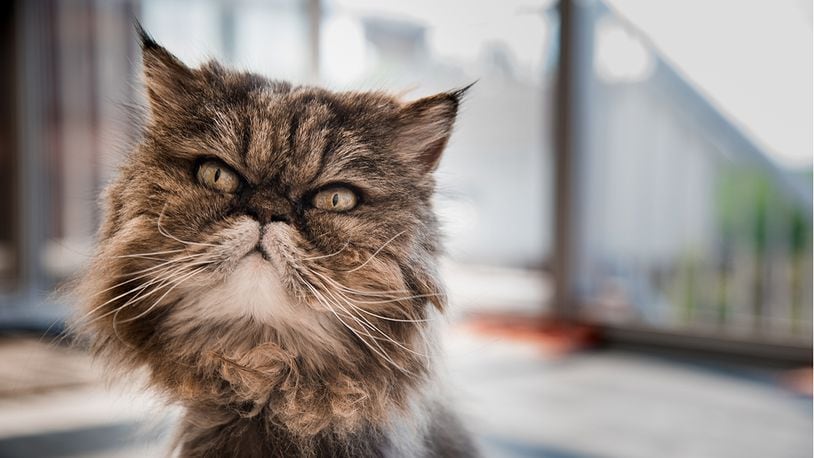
x=294, y=135
x=272, y=132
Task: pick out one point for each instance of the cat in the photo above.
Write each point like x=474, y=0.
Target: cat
x=268, y=257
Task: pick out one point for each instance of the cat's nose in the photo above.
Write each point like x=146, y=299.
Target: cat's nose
x=263, y=217
x=267, y=210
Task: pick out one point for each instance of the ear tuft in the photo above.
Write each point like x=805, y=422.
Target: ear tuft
x=145, y=39
x=426, y=127
x=460, y=93
x=171, y=85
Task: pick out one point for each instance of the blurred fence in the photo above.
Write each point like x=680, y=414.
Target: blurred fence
x=70, y=80
x=685, y=224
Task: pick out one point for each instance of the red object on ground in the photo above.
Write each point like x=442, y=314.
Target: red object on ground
x=799, y=380
x=556, y=337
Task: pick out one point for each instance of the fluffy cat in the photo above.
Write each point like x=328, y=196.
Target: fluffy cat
x=268, y=255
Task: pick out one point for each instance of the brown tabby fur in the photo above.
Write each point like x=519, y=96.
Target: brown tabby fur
x=344, y=368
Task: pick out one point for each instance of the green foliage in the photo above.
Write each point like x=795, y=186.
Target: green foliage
x=748, y=202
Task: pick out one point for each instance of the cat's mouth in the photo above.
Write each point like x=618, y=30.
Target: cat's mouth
x=240, y=242
x=259, y=250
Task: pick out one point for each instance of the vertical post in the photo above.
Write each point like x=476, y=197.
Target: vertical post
x=228, y=28
x=571, y=78
x=314, y=18
x=34, y=26
x=9, y=156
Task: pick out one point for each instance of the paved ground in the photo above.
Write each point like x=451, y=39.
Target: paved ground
x=519, y=402
x=614, y=404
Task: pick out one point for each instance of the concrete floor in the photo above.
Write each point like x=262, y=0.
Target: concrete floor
x=519, y=402
x=615, y=404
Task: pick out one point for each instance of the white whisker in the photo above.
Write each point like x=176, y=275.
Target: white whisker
x=161, y=280
x=403, y=298
x=162, y=284
x=175, y=284
x=371, y=325
x=312, y=258
x=335, y=283
x=380, y=351
x=375, y=253
x=363, y=293
x=136, y=255
x=149, y=270
x=168, y=235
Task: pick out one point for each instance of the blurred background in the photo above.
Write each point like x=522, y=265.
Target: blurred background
x=627, y=203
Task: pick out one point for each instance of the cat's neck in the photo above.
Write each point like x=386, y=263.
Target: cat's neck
x=427, y=429
x=217, y=432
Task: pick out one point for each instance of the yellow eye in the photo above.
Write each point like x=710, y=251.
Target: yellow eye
x=336, y=199
x=217, y=176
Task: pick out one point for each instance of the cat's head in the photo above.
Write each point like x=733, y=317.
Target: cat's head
x=264, y=237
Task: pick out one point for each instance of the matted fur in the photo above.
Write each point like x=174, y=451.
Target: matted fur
x=281, y=328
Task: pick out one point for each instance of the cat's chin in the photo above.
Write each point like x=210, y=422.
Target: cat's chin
x=254, y=264
x=252, y=290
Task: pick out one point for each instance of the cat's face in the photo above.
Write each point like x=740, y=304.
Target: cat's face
x=256, y=213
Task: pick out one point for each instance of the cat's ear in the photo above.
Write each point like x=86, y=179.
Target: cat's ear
x=171, y=85
x=426, y=125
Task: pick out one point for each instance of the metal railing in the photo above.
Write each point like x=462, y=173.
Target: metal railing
x=676, y=222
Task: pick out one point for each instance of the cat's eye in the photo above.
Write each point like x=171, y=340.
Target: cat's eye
x=335, y=198
x=217, y=176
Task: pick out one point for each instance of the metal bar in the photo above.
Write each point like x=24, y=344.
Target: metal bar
x=573, y=85
x=32, y=30
x=562, y=164
x=778, y=352
x=9, y=154
x=314, y=12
